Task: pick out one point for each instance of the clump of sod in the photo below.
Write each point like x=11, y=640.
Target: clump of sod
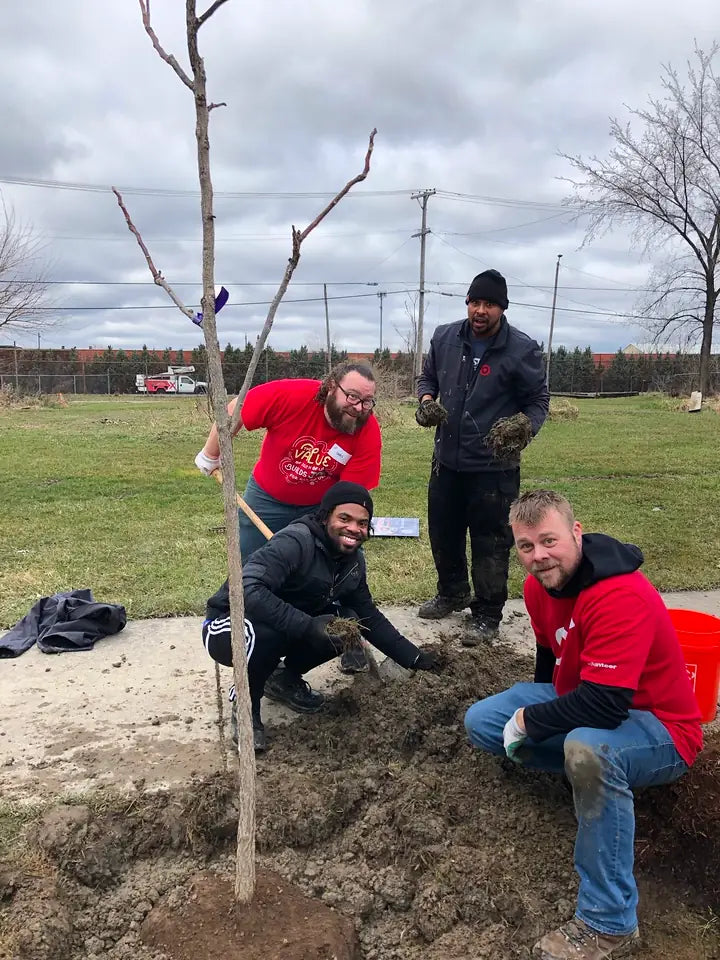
x=509, y=436
x=431, y=414
x=347, y=631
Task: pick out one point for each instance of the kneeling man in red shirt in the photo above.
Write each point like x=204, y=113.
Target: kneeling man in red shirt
x=611, y=706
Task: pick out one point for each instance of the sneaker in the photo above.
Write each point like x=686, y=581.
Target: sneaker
x=293, y=691
x=259, y=738
x=354, y=661
x=575, y=940
x=479, y=630
x=440, y=606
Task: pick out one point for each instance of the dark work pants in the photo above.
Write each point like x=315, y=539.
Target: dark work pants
x=478, y=503
x=265, y=647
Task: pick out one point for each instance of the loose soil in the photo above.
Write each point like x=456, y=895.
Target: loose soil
x=378, y=809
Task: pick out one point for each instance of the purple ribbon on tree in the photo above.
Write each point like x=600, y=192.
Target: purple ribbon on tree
x=221, y=298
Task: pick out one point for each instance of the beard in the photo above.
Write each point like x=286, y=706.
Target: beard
x=343, y=420
x=555, y=575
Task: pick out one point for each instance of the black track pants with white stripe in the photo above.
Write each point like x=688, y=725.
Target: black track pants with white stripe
x=265, y=647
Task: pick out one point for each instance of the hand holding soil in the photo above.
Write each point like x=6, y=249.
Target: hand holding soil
x=345, y=630
x=509, y=436
x=430, y=413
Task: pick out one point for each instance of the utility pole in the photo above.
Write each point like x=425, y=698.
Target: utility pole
x=327, y=329
x=423, y=196
x=380, y=296
x=552, y=321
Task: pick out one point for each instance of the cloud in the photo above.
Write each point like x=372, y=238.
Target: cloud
x=470, y=99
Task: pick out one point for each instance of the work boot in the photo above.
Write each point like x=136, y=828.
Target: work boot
x=575, y=940
x=354, y=661
x=440, y=606
x=479, y=630
x=290, y=689
x=259, y=738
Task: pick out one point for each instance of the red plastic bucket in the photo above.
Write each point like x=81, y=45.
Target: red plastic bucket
x=699, y=635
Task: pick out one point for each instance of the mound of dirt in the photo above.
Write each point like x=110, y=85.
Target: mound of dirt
x=280, y=922
x=380, y=808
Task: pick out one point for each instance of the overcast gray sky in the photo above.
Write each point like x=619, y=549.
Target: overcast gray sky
x=471, y=98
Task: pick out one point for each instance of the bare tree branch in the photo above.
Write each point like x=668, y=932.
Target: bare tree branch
x=209, y=12
x=665, y=182
x=298, y=236
x=23, y=284
x=167, y=57
x=346, y=189
x=156, y=275
x=214, y=106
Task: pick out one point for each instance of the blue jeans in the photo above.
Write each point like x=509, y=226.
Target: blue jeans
x=275, y=513
x=603, y=767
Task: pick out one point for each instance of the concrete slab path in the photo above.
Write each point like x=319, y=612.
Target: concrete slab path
x=145, y=709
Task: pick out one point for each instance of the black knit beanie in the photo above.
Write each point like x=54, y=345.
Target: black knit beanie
x=491, y=286
x=345, y=492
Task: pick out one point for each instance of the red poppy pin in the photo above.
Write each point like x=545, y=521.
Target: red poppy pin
x=485, y=370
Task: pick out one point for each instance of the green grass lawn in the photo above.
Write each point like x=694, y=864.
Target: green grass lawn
x=103, y=494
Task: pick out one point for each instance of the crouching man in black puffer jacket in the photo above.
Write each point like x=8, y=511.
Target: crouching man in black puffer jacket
x=310, y=572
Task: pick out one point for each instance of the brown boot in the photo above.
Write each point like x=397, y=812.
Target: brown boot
x=575, y=940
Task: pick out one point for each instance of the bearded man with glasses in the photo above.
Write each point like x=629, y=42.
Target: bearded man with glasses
x=317, y=433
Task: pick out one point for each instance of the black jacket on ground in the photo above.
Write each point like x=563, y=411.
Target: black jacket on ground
x=510, y=379
x=589, y=704
x=63, y=622
x=296, y=575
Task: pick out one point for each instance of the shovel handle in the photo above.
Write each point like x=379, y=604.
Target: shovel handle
x=248, y=511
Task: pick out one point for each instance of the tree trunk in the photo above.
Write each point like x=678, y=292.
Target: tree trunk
x=707, y=336
x=245, y=862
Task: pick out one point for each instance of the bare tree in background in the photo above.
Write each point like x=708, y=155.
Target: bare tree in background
x=665, y=182
x=196, y=82
x=409, y=334
x=23, y=284
x=674, y=303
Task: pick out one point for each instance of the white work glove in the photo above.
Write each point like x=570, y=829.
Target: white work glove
x=206, y=464
x=513, y=738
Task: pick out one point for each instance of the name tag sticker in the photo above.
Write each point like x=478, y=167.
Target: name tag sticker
x=337, y=453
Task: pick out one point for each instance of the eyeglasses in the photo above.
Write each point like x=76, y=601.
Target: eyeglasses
x=367, y=403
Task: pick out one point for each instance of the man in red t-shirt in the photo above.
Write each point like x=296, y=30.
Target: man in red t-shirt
x=318, y=432
x=612, y=706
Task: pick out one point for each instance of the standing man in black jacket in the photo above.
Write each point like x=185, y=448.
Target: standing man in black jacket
x=481, y=370
x=310, y=572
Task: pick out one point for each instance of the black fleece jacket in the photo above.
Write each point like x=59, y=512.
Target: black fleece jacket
x=590, y=704
x=510, y=380
x=297, y=575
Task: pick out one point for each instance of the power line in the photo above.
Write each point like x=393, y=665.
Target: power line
x=522, y=283
x=244, y=303
x=512, y=226
x=86, y=187
x=241, y=238
x=484, y=199
x=544, y=306
x=176, y=192
x=313, y=283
